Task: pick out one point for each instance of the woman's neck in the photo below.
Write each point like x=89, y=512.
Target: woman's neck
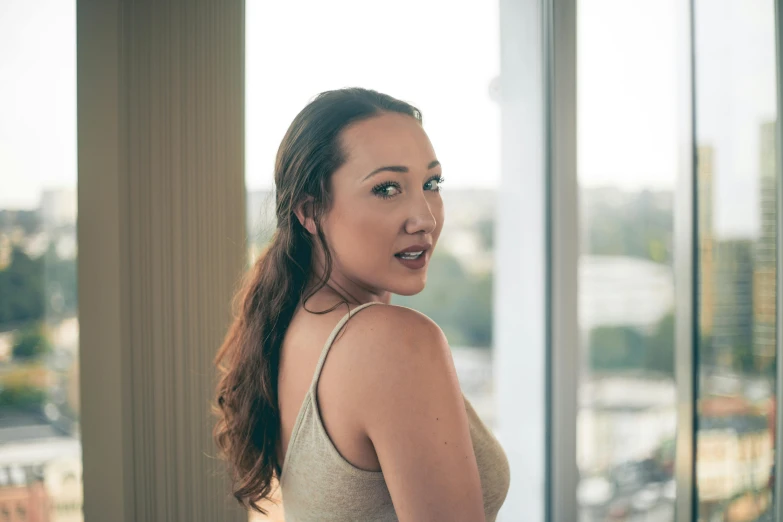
x=341, y=290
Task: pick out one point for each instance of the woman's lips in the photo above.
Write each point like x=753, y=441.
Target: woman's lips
x=412, y=258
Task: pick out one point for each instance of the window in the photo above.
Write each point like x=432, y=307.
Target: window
x=737, y=173
x=39, y=328
x=452, y=79
x=627, y=169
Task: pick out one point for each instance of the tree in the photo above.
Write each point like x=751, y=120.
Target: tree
x=21, y=289
x=29, y=220
x=629, y=224
x=744, y=360
x=22, y=397
x=31, y=289
x=623, y=348
x=473, y=311
x=31, y=343
x=458, y=301
x=660, y=347
x=616, y=348
x=486, y=231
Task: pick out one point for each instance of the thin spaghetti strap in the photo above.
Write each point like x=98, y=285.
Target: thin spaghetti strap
x=331, y=339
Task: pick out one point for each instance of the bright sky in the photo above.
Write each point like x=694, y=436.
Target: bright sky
x=440, y=55
x=37, y=99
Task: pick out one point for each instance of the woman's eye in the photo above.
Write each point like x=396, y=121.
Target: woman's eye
x=434, y=184
x=386, y=190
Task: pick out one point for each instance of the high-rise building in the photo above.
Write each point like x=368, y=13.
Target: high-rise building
x=764, y=275
x=726, y=278
x=732, y=329
x=706, y=282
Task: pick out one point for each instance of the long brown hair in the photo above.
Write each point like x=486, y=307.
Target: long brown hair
x=247, y=431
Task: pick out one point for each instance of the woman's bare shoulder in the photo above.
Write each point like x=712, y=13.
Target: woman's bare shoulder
x=394, y=347
x=393, y=327
x=407, y=399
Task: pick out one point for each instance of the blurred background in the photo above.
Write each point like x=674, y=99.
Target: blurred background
x=629, y=117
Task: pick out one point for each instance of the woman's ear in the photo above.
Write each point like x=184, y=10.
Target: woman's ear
x=305, y=213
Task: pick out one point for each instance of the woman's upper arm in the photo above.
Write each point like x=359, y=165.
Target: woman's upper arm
x=414, y=414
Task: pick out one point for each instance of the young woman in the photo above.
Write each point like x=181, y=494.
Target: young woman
x=352, y=403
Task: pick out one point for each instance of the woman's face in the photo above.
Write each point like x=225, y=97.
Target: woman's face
x=387, y=212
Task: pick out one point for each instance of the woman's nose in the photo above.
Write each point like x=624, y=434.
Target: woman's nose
x=421, y=218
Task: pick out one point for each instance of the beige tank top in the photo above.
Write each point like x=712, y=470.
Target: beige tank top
x=318, y=484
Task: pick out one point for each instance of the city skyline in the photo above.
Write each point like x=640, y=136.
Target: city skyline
x=624, y=140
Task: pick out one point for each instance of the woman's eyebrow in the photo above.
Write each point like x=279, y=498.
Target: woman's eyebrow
x=398, y=168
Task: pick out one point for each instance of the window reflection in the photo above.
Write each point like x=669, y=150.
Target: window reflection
x=736, y=110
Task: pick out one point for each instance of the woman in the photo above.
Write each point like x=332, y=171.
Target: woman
x=379, y=430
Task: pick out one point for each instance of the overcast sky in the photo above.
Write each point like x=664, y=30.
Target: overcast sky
x=441, y=55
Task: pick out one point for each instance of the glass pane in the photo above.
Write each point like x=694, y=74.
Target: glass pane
x=736, y=115
x=451, y=78
x=627, y=167
x=40, y=451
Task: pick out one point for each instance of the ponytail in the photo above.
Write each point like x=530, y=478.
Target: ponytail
x=247, y=431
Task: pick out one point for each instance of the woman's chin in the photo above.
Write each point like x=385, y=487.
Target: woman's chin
x=409, y=289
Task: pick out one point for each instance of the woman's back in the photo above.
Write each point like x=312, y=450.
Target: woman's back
x=302, y=348
x=332, y=468
x=358, y=216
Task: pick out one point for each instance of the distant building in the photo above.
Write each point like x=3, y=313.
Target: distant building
x=72, y=387
x=623, y=419
x=58, y=207
x=706, y=279
x=6, y=346
x=35, y=245
x=23, y=496
x=65, y=335
x=623, y=291
x=764, y=274
x=737, y=277
x=733, y=299
x=65, y=246
x=63, y=479
x=6, y=248
x=40, y=465
x=734, y=450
